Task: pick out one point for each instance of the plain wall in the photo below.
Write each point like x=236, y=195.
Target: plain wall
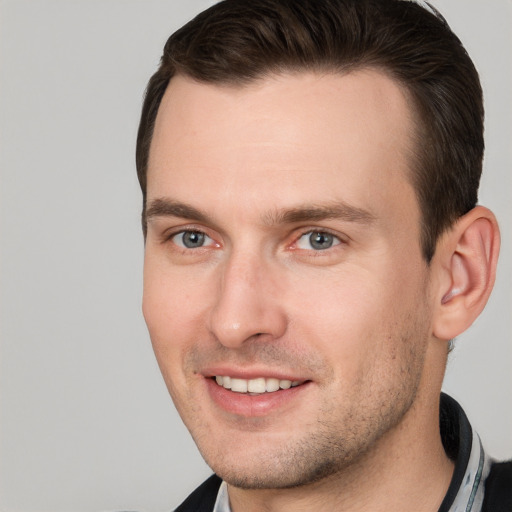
x=86, y=422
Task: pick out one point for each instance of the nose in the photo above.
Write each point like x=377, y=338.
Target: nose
x=247, y=302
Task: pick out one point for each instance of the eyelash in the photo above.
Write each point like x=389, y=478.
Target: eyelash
x=338, y=240
x=169, y=236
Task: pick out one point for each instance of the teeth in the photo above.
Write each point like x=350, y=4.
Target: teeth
x=272, y=385
x=256, y=386
x=259, y=385
x=239, y=385
x=226, y=382
x=285, y=384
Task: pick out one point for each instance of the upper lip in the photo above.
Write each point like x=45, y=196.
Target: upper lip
x=252, y=373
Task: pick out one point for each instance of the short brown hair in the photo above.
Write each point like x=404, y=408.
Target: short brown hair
x=238, y=41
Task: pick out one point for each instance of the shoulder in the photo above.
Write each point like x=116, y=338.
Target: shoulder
x=203, y=498
x=498, y=488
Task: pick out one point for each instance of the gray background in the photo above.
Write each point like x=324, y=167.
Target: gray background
x=86, y=423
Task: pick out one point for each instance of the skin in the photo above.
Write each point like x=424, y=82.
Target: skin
x=257, y=169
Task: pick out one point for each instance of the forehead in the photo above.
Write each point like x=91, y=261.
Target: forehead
x=306, y=134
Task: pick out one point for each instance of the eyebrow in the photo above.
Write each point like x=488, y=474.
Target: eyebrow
x=166, y=207
x=312, y=213
x=169, y=208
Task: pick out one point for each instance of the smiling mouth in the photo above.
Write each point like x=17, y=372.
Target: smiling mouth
x=257, y=386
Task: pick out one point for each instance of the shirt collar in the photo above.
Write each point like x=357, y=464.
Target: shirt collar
x=222, y=502
x=472, y=465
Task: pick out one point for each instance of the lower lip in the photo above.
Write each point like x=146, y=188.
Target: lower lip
x=243, y=404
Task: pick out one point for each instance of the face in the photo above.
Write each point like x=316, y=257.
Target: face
x=284, y=287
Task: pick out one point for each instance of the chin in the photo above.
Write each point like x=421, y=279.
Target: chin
x=287, y=465
x=271, y=479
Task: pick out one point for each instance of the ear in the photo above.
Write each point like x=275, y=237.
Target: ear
x=466, y=259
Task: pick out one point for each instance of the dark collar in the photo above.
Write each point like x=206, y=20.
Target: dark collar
x=457, y=437
x=203, y=498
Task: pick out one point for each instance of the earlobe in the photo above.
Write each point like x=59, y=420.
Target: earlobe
x=467, y=258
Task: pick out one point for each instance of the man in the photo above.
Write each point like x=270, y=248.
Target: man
x=309, y=172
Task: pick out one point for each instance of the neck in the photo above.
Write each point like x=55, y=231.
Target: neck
x=401, y=472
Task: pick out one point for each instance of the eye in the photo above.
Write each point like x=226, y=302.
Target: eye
x=191, y=239
x=317, y=240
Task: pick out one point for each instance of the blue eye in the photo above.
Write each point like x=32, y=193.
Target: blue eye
x=317, y=240
x=191, y=239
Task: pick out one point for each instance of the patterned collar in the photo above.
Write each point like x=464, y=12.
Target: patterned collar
x=472, y=465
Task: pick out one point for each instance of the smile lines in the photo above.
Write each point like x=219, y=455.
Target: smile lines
x=259, y=385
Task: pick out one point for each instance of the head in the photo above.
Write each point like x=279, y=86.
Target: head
x=238, y=42
x=309, y=172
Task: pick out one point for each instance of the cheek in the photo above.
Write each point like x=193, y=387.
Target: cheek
x=172, y=296
x=356, y=319
x=171, y=306
x=164, y=316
